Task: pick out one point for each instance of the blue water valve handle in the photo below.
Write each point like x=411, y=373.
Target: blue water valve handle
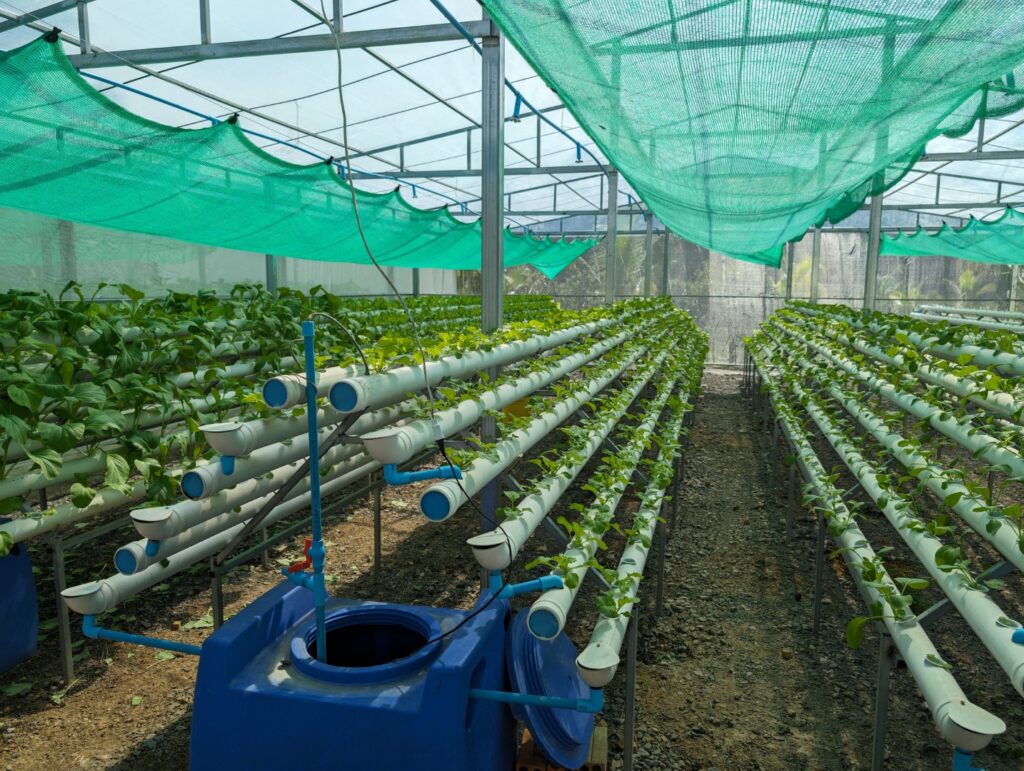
x=395, y=477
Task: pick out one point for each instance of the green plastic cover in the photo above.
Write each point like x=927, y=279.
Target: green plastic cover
x=742, y=123
x=69, y=152
x=999, y=241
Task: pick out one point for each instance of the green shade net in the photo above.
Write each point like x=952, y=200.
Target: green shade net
x=742, y=124
x=1000, y=241
x=67, y=151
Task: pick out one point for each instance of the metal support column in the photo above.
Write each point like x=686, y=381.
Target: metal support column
x=815, y=264
x=272, y=274
x=885, y=660
x=630, y=697
x=648, y=254
x=492, y=274
x=819, y=571
x=610, y=279
x=205, y=34
x=338, y=16
x=790, y=254
x=63, y=617
x=871, y=266
x=377, y=540
x=415, y=282
x=1014, y=276
x=66, y=241
x=83, y=28
x=664, y=263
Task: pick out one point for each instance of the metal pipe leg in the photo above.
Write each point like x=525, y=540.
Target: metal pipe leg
x=265, y=554
x=63, y=616
x=659, y=593
x=791, y=502
x=630, y=700
x=376, y=531
x=819, y=570
x=216, y=595
x=885, y=651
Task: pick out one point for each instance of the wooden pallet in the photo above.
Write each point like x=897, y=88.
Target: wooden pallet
x=531, y=758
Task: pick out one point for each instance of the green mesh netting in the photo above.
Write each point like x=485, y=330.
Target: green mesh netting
x=743, y=123
x=999, y=241
x=69, y=152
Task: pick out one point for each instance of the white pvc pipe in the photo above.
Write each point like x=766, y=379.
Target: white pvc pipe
x=133, y=557
x=946, y=309
x=549, y=612
x=497, y=549
x=963, y=724
x=997, y=326
x=442, y=500
x=98, y=596
x=397, y=445
x=977, y=608
x=204, y=481
x=369, y=391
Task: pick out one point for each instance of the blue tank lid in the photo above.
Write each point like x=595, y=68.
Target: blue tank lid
x=548, y=668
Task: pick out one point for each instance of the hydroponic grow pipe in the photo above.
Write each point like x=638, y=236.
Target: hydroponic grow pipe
x=140, y=554
x=962, y=723
x=497, y=549
x=962, y=431
x=997, y=326
x=977, y=607
x=442, y=500
x=599, y=661
x=969, y=507
x=995, y=314
x=397, y=445
x=1000, y=403
x=98, y=596
x=985, y=357
x=204, y=481
x=548, y=613
x=369, y=391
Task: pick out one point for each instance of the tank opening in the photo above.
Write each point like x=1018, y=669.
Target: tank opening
x=369, y=644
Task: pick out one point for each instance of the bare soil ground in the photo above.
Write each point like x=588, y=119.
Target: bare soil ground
x=729, y=676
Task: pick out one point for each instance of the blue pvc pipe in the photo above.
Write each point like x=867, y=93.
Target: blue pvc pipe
x=592, y=705
x=395, y=477
x=542, y=584
x=1018, y=636
x=90, y=629
x=227, y=464
x=301, y=578
x=152, y=547
x=316, y=550
x=962, y=760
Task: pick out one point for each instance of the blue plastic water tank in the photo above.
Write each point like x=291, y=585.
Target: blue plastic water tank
x=19, y=610
x=384, y=699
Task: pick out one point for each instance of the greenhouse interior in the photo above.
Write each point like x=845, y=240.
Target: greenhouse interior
x=512, y=385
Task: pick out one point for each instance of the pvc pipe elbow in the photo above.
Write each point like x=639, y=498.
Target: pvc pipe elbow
x=91, y=598
x=348, y=395
x=151, y=522
x=231, y=439
x=966, y=725
x=597, y=665
x=494, y=551
x=284, y=391
x=389, y=445
x=546, y=619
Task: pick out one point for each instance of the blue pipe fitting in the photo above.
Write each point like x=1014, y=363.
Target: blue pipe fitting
x=227, y=464
x=91, y=630
x=395, y=477
x=316, y=551
x=300, y=578
x=1018, y=636
x=962, y=760
x=152, y=548
x=542, y=584
x=593, y=705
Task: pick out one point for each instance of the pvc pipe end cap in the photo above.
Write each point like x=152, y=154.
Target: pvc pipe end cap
x=275, y=393
x=543, y=624
x=125, y=561
x=972, y=727
x=221, y=437
x=493, y=550
x=192, y=485
x=596, y=677
x=389, y=445
x=80, y=598
x=152, y=514
x=436, y=507
x=344, y=396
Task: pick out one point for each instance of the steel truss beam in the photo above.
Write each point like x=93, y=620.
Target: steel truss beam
x=509, y=172
x=428, y=33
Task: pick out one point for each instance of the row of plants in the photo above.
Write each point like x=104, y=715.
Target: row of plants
x=118, y=390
